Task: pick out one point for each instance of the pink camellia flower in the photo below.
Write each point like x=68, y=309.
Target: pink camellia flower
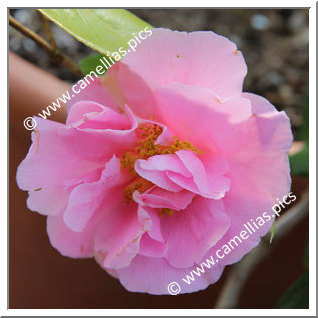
x=160, y=163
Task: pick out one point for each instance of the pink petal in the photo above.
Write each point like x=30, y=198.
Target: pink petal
x=259, y=104
x=210, y=124
x=265, y=143
x=87, y=114
x=119, y=234
x=155, y=230
x=87, y=198
x=47, y=165
x=242, y=208
x=99, y=144
x=68, y=242
x=161, y=198
x=194, y=230
x=128, y=84
x=199, y=58
x=153, y=169
x=95, y=91
x=163, y=163
x=153, y=275
x=150, y=247
x=207, y=186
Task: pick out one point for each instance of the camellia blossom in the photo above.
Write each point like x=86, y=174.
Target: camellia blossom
x=160, y=163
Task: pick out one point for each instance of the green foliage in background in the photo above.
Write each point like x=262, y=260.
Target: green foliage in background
x=306, y=257
x=299, y=162
x=297, y=295
x=104, y=30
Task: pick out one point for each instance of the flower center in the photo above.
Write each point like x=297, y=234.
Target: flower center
x=147, y=134
x=139, y=184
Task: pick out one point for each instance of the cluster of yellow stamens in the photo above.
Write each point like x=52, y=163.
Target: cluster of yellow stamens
x=147, y=135
x=139, y=184
x=146, y=147
x=166, y=211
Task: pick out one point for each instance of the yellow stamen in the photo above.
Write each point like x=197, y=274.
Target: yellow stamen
x=166, y=211
x=146, y=148
x=139, y=184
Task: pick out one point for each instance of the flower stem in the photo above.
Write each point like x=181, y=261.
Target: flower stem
x=47, y=29
x=54, y=52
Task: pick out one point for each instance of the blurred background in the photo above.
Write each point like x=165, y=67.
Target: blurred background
x=275, y=46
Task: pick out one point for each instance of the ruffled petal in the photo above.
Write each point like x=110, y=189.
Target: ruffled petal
x=88, y=198
x=182, y=170
x=120, y=233
x=48, y=164
x=95, y=91
x=197, y=115
x=194, y=230
x=70, y=243
x=196, y=58
x=153, y=275
x=161, y=198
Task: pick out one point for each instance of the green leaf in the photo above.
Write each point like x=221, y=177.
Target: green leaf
x=104, y=30
x=299, y=162
x=90, y=63
x=296, y=296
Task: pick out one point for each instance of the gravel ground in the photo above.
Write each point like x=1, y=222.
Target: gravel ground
x=273, y=41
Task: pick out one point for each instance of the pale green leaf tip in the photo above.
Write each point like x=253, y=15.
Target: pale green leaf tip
x=273, y=232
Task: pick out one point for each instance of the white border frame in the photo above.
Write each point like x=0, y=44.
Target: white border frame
x=312, y=181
